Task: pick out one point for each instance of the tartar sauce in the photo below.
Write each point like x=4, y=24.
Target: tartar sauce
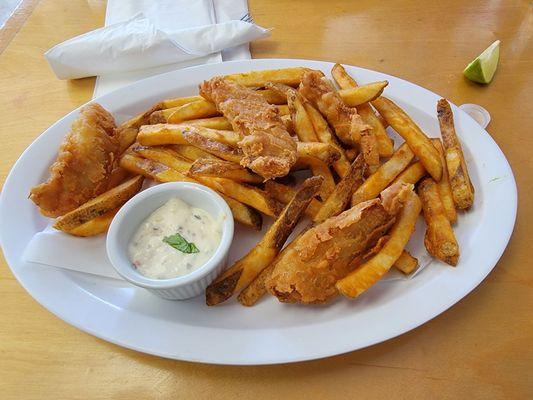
x=174, y=240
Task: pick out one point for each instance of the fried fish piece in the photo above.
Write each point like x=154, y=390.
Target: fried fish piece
x=268, y=148
x=83, y=166
x=346, y=122
x=307, y=270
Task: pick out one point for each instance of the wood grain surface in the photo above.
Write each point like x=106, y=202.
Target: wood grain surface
x=479, y=349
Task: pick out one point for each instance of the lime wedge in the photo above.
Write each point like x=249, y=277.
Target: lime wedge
x=482, y=69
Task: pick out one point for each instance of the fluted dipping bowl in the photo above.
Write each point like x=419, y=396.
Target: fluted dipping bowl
x=139, y=207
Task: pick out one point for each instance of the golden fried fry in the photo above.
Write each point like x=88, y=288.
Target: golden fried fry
x=100, y=205
x=140, y=119
x=324, y=134
x=385, y=174
x=190, y=152
x=360, y=95
x=369, y=150
x=95, y=226
x=162, y=134
x=323, y=151
x=162, y=173
x=320, y=168
x=223, y=169
x=163, y=155
x=284, y=194
x=406, y=263
x=196, y=109
x=345, y=81
x=341, y=195
x=220, y=123
x=287, y=76
x=440, y=239
x=303, y=126
x=367, y=274
x=445, y=190
x=214, y=147
x=412, y=134
x=462, y=188
x=179, y=101
x=412, y=174
x=247, y=268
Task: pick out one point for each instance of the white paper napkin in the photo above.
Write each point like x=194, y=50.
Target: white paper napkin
x=138, y=44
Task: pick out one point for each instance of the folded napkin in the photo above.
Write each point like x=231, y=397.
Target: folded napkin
x=138, y=44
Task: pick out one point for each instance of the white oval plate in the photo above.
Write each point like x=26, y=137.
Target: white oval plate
x=270, y=332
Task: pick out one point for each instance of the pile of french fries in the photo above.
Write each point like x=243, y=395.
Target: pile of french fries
x=187, y=139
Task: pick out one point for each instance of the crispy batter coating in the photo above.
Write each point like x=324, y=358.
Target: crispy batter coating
x=307, y=271
x=268, y=148
x=346, y=122
x=83, y=166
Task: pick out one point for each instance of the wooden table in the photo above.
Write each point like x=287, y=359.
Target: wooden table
x=479, y=349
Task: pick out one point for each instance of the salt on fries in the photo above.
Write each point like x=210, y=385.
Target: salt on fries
x=352, y=163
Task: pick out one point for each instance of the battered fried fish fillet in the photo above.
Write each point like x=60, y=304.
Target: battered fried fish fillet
x=346, y=122
x=307, y=270
x=83, y=166
x=268, y=148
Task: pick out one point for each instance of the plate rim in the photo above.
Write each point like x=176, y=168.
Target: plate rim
x=255, y=63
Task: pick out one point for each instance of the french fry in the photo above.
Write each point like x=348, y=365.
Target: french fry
x=369, y=150
x=244, y=214
x=323, y=151
x=320, y=168
x=412, y=174
x=287, y=76
x=190, y=152
x=196, y=109
x=100, y=205
x=214, y=147
x=140, y=119
x=303, y=126
x=384, y=175
x=324, y=134
x=412, y=134
x=179, y=101
x=280, y=89
x=345, y=81
x=360, y=95
x=341, y=195
x=462, y=188
x=273, y=96
x=371, y=271
x=256, y=289
x=406, y=263
x=287, y=121
x=163, y=134
x=440, y=239
x=269, y=95
x=117, y=176
x=95, y=226
x=247, y=268
x=284, y=194
x=220, y=123
x=249, y=195
x=445, y=190
x=223, y=169
x=163, y=155
x=342, y=78
x=126, y=137
x=162, y=173
x=306, y=133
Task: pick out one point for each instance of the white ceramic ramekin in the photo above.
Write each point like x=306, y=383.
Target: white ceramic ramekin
x=138, y=208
